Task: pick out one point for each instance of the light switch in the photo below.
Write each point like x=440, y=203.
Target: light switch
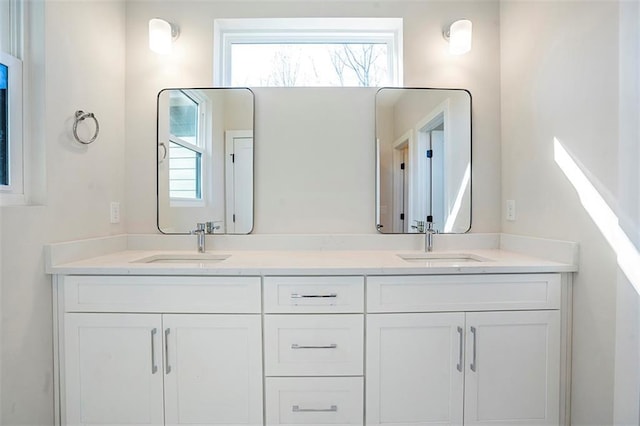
x=115, y=212
x=511, y=210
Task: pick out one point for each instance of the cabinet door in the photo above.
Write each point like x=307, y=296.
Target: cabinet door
x=512, y=368
x=415, y=369
x=213, y=369
x=112, y=371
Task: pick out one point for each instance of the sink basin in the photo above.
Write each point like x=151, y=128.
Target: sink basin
x=441, y=258
x=185, y=258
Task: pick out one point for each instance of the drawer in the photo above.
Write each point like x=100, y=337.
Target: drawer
x=314, y=401
x=162, y=294
x=314, y=345
x=313, y=294
x=432, y=293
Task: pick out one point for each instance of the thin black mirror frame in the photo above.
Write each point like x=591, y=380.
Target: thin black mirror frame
x=377, y=156
x=253, y=177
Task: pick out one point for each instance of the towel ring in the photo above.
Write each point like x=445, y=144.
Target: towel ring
x=81, y=116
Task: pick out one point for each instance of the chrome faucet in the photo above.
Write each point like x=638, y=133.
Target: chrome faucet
x=428, y=234
x=200, y=232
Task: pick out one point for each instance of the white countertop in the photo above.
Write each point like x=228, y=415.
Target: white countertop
x=310, y=262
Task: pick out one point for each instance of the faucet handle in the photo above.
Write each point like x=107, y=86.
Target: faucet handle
x=419, y=226
x=200, y=227
x=211, y=226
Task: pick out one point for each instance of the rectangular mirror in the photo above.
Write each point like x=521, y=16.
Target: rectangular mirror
x=205, y=160
x=423, y=150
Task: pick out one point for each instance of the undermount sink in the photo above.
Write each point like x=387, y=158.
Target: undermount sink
x=185, y=258
x=441, y=257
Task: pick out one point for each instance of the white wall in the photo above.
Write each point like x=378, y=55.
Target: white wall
x=626, y=404
x=560, y=80
x=344, y=183
x=627, y=358
x=83, y=69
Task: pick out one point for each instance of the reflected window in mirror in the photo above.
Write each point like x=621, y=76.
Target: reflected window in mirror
x=187, y=145
x=205, y=159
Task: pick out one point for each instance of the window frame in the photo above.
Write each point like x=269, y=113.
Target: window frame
x=202, y=146
x=12, y=35
x=13, y=192
x=307, y=30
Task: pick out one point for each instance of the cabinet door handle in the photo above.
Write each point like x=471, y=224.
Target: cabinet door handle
x=167, y=366
x=154, y=366
x=331, y=409
x=474, y=365
x=297, y=346
x=314, y=296
x=459, y=366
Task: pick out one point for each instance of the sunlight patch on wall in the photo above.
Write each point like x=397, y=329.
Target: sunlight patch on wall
x=455, y=211
x=602, y=215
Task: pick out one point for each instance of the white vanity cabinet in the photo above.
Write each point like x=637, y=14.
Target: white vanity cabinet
x=352, y=350
x=126, y=358
x=439, y=355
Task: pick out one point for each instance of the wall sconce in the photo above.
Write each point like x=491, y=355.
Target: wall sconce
x=161, y=35
x=459, y=36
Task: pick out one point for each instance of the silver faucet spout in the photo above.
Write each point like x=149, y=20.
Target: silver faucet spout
x=428, y=236
x=200, y=233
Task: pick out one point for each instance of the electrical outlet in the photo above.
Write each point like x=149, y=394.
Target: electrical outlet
x=115, y=212
x=511, y=210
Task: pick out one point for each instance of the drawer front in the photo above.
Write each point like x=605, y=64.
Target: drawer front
x=162, y=294
x=433, y=293
x=314, y=345
x=314, y=401
x=313, y=294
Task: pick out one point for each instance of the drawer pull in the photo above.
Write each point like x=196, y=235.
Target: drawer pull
x=314, y=296
x=297, y=409
x=297, y=346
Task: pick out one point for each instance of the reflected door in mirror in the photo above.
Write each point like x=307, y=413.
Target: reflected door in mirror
x=423, y=141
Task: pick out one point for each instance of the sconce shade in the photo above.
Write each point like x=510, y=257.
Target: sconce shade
x=161, y=35
x=460, y=35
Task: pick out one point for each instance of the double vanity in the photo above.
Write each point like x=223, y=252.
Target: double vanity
x=473, y=333
x=271, y=329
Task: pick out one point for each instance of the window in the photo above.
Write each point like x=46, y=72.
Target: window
x=308, y=52
x=4, y=125
x=186, y=145
x=11, y=93
x=10, y=125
